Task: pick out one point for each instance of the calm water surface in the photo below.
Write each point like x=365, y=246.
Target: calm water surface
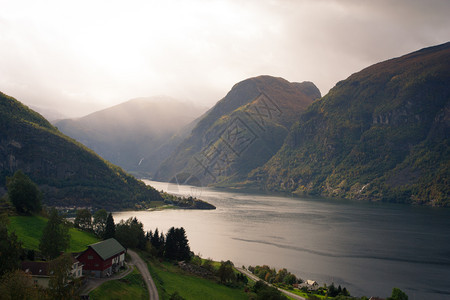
x=368, y=248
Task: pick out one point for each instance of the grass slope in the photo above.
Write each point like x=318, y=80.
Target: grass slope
x=170, y=279
x=29, y=231
x=130, y=287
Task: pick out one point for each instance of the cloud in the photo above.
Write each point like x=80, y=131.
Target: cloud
x=80, y=56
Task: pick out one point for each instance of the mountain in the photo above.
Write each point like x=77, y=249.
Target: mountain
x=136, y=135
x=381, y=134
x=241, y=132
x=67, y=172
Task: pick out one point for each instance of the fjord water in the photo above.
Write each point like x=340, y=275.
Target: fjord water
x=368, y=248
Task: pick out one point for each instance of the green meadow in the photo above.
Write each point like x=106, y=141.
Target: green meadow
x=170, y=279
x=130, y=287
x=29, y=230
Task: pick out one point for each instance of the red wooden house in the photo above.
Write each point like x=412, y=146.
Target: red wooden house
x=103, y=258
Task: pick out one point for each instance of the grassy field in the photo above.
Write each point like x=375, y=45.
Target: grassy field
x=29, y=231
x=130, y=287
x=170, y=279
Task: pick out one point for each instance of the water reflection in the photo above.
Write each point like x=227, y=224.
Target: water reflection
x=369, y=248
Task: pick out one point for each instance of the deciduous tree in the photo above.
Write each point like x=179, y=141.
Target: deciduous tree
x=226, y=272
x=398, y=294
x=60, y=284
x=130, y=233
x=83, y=220
x=99, y=224
x=55, y=237
x=18, y=285
x=23, y=193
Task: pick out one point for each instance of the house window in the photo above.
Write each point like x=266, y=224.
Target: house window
x=90, y=257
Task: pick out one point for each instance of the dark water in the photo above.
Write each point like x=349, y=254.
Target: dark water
x=368, y=248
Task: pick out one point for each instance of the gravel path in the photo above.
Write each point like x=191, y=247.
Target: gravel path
x=143, y=269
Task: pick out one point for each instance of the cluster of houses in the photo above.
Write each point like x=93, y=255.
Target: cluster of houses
x=101, y=259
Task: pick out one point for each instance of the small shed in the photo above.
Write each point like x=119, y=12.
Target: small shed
x=103, y=258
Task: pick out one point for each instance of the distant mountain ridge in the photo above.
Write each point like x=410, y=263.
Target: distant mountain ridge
x=136, y=135
x=68, y=173
x=241, y=132
x=381, y=134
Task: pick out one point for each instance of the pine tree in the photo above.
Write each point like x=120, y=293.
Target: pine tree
x=177, y=245
x=110, y=228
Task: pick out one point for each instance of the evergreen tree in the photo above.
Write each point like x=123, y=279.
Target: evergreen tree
x=162, y=243
x=110, y=228
x=177, y=245
x=23, y=193
x=154, y=238
x=170, y=247
x=149, y=236
x=157, y=241
x=55, y=237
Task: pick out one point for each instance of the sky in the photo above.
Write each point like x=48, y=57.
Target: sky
x=76, y=57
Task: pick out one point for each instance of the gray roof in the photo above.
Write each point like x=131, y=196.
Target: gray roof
x=107, y=248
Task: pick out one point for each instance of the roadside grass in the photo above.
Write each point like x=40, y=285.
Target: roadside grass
x=29, y=230
x=307, y=295
x=170, y=279
x=130, y=287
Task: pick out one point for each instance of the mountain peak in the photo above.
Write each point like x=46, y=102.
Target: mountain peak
x=381, y=134
x=262, y=108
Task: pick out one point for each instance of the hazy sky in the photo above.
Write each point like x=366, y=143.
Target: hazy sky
x=79, y=56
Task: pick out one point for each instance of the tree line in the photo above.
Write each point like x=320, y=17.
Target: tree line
x=130, y=233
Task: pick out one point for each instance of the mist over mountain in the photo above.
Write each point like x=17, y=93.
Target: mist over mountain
x=52, y=115
x=68, y=173
x=381, y=134
x=241, y=132
x=136, y=135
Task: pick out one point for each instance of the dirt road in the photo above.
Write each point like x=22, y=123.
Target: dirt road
x=143, y=269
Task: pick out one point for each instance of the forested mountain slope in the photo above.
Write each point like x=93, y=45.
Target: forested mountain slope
x=381, y=134
x=66, y=171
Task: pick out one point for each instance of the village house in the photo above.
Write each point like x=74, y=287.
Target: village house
x=310, y=285
x=103, y=258
x=40, y=271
